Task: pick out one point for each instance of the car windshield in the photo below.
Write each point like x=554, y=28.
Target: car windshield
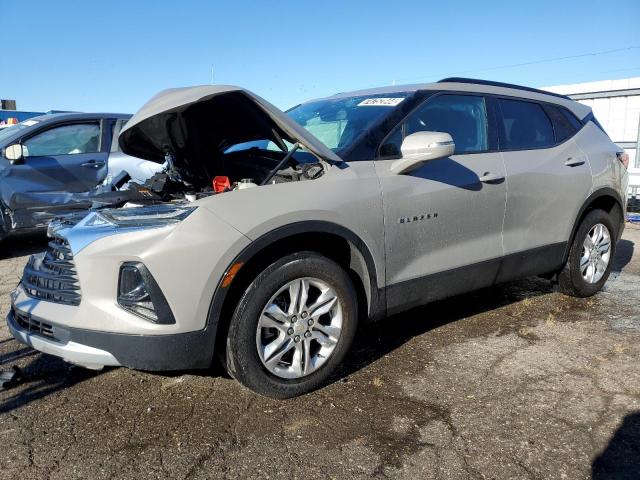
x=335, y=122
x=8, y=132
x=339, y=122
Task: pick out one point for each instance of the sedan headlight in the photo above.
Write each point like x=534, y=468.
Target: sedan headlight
x=149, y=216
x=139, y=294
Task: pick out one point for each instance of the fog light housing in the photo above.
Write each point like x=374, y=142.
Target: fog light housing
x=138, y=293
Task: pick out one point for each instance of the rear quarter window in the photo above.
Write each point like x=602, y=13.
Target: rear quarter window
x=563, y=128
x=571, y=118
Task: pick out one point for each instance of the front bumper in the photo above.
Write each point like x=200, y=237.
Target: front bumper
x=95, y=349
x=70, y=351
x=186, y=260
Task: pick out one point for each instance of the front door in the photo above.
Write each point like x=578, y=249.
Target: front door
x=60, y=164
x=443, y=221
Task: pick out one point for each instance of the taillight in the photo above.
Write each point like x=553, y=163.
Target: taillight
x=624, y=158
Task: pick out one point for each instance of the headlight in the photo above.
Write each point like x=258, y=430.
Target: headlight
x=139, y=294
x=151, y=216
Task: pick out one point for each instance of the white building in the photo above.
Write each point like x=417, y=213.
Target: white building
x=616, y=105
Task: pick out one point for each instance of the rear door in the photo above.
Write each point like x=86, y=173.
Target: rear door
x=59, y=161
x=443, y=223
x=548, y=179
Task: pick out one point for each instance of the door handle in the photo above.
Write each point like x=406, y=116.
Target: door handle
x=489, y=177
x=92, y=164
x=574, y=162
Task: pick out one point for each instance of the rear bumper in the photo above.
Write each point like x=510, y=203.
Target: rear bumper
x=95, y=349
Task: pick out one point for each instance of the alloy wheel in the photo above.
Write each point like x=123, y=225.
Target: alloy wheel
x=596, y=253
x=299, y=328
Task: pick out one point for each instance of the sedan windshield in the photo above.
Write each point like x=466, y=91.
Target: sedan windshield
x=8, y=132
x=339, y=122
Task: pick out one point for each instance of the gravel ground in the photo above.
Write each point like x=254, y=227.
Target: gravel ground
x=515, y=381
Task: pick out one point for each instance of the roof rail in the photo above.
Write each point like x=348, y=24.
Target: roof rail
x=499, y=84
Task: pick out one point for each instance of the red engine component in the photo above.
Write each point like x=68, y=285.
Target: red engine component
x=221, y=184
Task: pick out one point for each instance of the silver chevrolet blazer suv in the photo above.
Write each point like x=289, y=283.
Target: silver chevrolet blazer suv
x=269, y=236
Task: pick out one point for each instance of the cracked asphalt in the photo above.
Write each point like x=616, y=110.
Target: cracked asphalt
x=515, y=381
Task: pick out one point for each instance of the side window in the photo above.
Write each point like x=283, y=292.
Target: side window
x=115, y=133
x=524, y=126
x=391, y=146
x=464, y=117
x=571, y=118
x=561, y=126
x=64, y=140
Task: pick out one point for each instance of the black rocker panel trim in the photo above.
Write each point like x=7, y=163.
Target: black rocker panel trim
x=412, y=293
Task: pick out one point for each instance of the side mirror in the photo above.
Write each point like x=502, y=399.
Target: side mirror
x=421, y=147
x=14, y=153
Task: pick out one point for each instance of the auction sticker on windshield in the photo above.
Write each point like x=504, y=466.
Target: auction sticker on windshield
x=381, y=102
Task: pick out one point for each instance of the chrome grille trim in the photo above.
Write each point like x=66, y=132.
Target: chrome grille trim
x=52, y=275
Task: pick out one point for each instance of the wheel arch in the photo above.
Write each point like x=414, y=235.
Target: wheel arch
x=606, y=199
x=332, y=240
x=6, y=223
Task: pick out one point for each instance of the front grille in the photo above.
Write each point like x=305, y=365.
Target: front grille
x=52, y=275
x=32, y=325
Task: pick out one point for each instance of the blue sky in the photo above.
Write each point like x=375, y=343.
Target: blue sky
x=114, y=55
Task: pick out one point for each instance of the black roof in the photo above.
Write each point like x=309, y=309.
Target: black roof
x=499, y=84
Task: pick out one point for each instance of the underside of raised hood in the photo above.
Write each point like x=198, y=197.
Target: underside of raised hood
x=196, y=125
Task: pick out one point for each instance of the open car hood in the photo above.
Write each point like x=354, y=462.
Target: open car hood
x=199, y=123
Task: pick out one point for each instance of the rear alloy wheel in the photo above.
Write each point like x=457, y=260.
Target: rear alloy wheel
x=292, y=326
x=591, y=256
x=596, y=252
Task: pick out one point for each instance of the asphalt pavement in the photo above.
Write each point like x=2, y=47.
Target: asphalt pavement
x=515, y=381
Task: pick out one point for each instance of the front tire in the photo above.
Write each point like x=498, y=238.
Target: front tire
x=292, y=326
x=591, y=256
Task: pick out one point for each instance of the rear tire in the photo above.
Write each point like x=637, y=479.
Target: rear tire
x=591, y=256
x=292, y=326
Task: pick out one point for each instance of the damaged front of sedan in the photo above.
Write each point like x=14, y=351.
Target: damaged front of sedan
x=57, y=164
x=152, y=283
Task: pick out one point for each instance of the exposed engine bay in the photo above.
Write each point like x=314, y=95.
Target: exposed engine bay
x=241, y=169
x=211, y=140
